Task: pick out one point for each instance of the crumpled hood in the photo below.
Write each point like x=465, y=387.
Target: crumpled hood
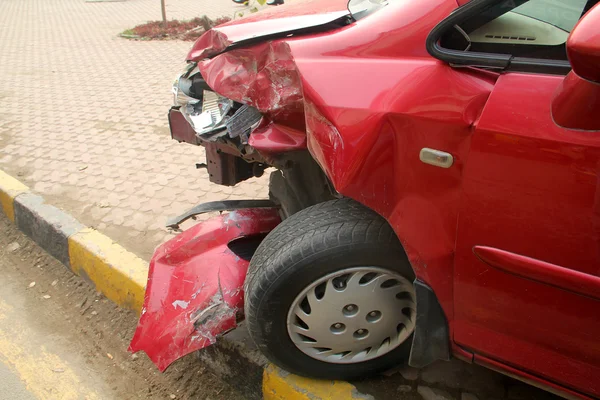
x=280, y=21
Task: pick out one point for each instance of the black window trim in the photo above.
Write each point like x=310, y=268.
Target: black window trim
x=503, y=62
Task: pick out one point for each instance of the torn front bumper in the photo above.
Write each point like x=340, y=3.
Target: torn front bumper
x=195, y=285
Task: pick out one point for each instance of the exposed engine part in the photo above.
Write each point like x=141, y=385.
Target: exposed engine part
x=298, y=183
x=229, y=170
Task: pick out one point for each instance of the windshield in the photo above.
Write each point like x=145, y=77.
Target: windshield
x=361, y=8
x=560, y=13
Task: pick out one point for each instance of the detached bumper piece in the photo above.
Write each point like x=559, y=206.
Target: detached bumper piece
x=223, y=205
x=195, y=285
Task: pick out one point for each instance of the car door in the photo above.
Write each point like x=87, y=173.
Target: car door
x=527, y=264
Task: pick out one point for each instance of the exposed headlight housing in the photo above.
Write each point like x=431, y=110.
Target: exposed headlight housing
x=182, y=86
x=206, y=110
x=208, y=115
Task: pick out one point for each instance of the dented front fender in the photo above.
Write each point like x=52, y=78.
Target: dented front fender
x=195, y=286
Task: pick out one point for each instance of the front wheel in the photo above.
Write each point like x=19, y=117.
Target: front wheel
x=329, y=293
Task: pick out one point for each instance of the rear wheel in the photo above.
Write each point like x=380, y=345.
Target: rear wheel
x=329, y=293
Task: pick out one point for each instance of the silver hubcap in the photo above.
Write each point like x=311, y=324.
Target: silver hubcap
x=353, y=315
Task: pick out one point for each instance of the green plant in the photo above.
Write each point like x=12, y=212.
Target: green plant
x=251, y=10
x=174, y=29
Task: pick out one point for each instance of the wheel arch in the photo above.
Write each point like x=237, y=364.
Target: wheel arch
x=431, y=339
x=432, y=336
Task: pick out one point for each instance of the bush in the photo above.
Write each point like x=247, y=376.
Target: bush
x=185, y=30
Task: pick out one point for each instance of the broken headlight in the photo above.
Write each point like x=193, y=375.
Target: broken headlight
x=210, y=113
x=205, y=110
x=207, y=115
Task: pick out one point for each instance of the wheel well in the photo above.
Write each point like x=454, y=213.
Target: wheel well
x=298, y=183
x=245, y=247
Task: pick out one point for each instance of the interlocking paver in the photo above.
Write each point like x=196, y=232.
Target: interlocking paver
x=83, y=114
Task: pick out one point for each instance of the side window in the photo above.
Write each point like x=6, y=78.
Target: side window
x=532, y=29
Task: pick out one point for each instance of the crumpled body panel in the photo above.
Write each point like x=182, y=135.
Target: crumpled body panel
x=275, y=22
x=263, y=76
x=195, y=286
x=274, y=139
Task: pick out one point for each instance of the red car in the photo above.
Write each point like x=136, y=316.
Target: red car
x=435, y=190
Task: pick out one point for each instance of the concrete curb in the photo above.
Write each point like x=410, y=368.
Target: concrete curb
x=118, y=274
x=121, y=276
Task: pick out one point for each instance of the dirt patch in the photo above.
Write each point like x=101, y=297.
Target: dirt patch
x=97, y=329
x=174, y=29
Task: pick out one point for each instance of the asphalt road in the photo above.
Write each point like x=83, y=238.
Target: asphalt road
x=12, y=385
x=37, y=359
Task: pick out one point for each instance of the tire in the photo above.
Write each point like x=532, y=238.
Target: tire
x=311, y=245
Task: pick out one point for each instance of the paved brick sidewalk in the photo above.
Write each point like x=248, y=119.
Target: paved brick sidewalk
x=83, y=114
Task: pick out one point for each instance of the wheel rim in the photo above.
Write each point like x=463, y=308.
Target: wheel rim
x=353, y=315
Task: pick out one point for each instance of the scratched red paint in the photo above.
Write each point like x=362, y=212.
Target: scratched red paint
x=263, y=76
x=195, y=286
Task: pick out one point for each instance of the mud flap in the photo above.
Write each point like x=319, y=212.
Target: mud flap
x=431, y=340
x=195, y=286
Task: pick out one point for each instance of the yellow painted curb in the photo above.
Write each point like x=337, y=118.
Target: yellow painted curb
x=9, y=189
x=120, y=275
x=281, y=385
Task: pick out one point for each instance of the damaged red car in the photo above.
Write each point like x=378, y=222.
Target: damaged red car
x=434, y=190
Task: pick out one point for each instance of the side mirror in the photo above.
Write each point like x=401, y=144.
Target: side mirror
x=576, y=104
